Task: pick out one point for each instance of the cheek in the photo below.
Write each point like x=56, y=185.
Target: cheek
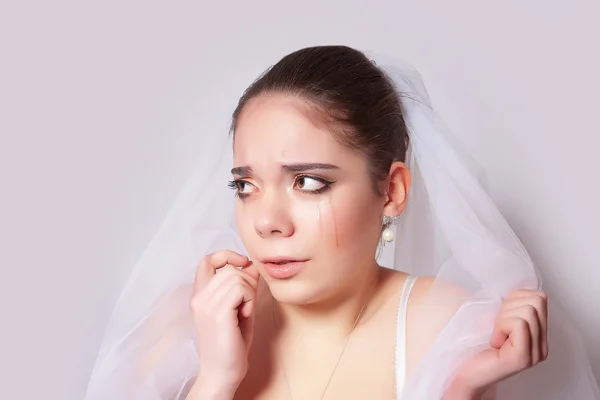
x=346, y=222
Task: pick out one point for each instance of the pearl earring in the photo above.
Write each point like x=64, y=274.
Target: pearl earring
x=388, y=234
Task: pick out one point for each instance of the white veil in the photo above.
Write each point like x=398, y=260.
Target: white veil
x=450, y=229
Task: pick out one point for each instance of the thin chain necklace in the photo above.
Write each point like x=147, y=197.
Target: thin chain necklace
x=287, y=383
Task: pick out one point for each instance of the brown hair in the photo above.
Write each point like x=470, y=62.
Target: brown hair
x=345, y=90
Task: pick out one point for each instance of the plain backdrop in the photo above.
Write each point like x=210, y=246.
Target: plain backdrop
x=104, y=107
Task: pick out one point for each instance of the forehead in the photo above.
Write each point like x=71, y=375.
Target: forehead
x=276, y=128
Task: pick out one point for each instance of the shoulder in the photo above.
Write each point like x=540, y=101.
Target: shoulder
x=432, y=288
x=427, y=290
x=432, y=304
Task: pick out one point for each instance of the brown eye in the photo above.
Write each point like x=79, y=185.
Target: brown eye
x=310, y=183
x=244, y=187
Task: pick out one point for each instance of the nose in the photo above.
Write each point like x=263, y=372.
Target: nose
x=273, y=218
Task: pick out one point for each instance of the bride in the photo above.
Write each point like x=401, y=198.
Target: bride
x=338, y=163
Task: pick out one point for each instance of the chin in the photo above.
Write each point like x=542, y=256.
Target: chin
x=293, y=291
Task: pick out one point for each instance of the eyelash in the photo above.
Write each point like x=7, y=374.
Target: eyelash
x=235, y=185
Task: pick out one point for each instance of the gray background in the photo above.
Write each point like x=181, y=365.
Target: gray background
x=104, y=107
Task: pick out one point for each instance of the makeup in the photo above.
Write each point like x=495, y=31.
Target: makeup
x=326, y=217
x=284, y=269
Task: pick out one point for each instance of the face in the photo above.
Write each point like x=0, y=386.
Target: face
x=307, y=213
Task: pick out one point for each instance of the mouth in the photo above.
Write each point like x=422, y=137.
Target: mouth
x=283, y=268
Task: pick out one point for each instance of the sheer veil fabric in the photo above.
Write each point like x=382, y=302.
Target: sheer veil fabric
x=450, y=229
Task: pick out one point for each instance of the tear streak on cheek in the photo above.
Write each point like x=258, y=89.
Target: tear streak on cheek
x=326, y=217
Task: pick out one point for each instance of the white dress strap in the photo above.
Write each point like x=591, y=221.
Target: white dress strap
x=400, y=345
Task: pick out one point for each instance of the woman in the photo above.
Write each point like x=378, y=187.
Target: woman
x=320, y=175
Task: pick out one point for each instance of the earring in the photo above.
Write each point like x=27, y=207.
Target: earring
x=388, y=234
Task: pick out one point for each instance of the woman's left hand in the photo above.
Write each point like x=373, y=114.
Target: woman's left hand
x=519, y=342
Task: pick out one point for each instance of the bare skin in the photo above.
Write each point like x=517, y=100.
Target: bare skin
x=305, y=196
x=310, y=357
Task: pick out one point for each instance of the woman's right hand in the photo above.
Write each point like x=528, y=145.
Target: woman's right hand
x=223, y=304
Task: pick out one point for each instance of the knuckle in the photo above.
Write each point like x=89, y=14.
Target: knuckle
x=530, y=312
x=522, y=325
x=538, y=302
x=542, y=295
x=516, y=293
x=528, y=362
x=545, y=353
x=196, y=304
x=224, y=270
x=209, y=257
x=237, y=280
x=216, y=256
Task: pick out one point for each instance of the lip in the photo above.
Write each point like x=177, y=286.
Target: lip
x=278, y=270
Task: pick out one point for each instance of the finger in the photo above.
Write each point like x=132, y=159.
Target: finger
x=529, y=314
x=246, y=309
x=517, y=347
x=222, y=283
x=238, y=294
x=218, y=294
x=251, y=270
x=545, y=344
x=203, y=301
x=207, y=268
x=541, y=304
x=224, y=273
x=499, y=336
x=517, y=294
x=539, y=301
x=247, y=325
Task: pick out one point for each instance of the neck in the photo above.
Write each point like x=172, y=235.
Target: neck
x=335, y=315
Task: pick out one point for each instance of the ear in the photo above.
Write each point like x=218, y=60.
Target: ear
x=397, y=189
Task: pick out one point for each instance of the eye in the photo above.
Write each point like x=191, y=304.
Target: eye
x=243, y=188
x=311, y=184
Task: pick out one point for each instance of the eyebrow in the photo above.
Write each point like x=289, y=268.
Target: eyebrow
x=247, y=171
